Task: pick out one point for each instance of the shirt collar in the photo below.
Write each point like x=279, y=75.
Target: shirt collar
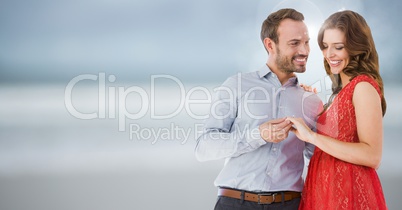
x=266, y=72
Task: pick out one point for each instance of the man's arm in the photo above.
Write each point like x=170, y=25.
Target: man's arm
x=221, y=137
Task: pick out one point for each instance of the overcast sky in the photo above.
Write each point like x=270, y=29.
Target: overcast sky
x=204, y=41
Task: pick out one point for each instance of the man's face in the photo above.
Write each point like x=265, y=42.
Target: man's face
x=293, y=47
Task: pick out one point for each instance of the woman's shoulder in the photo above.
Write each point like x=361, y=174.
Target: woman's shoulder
x=362, y=82
x=364, y=78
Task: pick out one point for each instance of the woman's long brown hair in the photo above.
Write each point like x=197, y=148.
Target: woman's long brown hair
x=361, y=48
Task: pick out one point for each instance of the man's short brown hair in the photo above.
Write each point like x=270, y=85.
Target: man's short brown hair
x=270, y=25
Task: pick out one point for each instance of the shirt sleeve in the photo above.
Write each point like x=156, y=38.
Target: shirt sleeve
x=222, y=137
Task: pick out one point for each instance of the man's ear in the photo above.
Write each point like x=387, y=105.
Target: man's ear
x=269, y=45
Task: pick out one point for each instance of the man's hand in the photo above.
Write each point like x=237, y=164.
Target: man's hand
x=275, y=130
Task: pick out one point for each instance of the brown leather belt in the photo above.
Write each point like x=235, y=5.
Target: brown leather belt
x=260, y=198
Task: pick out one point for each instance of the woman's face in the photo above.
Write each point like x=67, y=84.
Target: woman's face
x=334, y=50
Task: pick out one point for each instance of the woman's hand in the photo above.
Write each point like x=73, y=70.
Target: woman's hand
x=308, y=88
x=302, y=131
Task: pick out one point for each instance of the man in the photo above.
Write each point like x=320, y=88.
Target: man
x=247, y=126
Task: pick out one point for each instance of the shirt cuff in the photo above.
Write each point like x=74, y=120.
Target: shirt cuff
x=254, y=139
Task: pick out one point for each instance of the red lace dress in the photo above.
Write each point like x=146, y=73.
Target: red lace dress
x=332, y=183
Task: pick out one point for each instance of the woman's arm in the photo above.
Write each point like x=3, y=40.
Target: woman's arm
x=368, y=151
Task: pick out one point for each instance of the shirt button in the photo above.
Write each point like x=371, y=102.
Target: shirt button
x=269, y=173
x=274, y=149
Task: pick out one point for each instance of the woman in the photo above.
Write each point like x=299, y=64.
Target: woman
x=342, y=171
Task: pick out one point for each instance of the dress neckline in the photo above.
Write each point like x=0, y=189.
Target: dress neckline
x=341, y=91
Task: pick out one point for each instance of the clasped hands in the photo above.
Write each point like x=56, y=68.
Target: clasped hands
x=277, y=130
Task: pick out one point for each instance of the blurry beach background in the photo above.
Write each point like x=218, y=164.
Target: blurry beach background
x=100, y=101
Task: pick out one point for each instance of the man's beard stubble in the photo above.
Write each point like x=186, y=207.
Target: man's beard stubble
x=286, y=65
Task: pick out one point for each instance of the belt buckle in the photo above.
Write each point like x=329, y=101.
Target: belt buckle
x=266, y=194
